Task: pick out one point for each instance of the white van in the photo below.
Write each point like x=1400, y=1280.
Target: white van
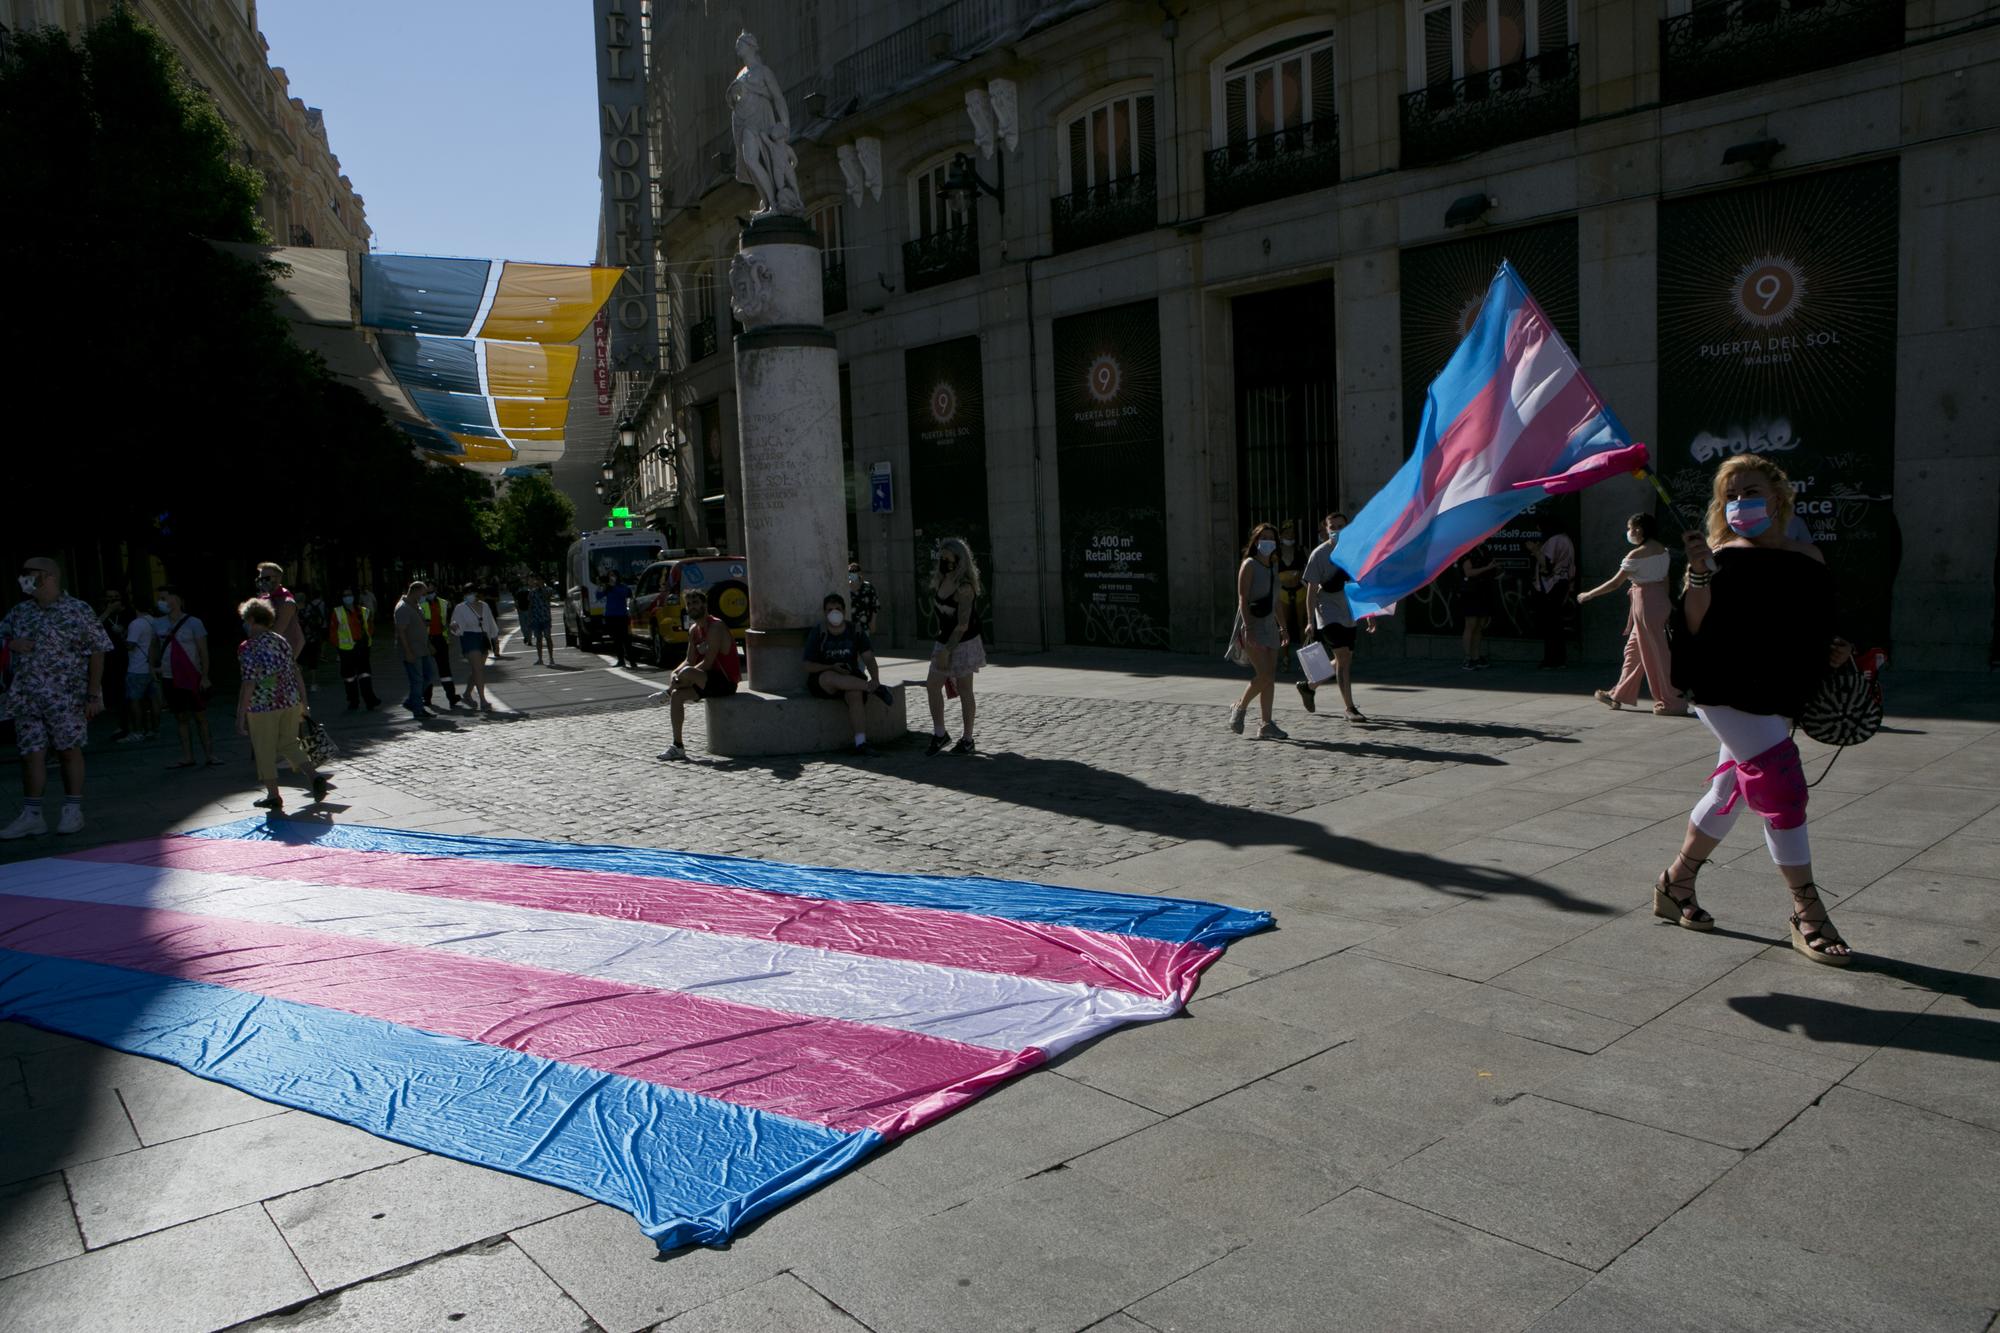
x=592, y=558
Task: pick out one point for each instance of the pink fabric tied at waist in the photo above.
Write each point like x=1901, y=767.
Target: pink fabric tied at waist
x=1773, y=784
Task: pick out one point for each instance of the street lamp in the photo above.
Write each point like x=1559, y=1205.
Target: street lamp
x=963, y=184
x=628, y=435
x=608, y=474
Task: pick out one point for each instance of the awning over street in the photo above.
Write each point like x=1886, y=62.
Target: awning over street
x=471, y=358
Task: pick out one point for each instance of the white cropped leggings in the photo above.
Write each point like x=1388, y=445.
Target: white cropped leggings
x=1745, y=736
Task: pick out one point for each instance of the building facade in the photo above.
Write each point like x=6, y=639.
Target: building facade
x=307, y=201
x=1217, y=252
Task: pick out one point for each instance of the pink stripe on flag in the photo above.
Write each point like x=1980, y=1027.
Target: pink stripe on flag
x=1159, y=969
x=845, y=1075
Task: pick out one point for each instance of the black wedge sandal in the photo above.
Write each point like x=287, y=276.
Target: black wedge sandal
x=1684, y=912
x=1814, y=938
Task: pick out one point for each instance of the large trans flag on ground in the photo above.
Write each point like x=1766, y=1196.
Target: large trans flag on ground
x=1511, y=408
x=694, y=1039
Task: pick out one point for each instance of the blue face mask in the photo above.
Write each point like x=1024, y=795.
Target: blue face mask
x=1748, y=518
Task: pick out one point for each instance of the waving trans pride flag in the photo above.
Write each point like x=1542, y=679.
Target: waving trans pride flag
x=694, y=1039
x=1511, y=419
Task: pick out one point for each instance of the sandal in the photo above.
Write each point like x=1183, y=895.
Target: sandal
x=1815, y=939
x=185, y=763
x=1684, y=912
x=1354, y=715
x=1661, y=710
x=1604, y=697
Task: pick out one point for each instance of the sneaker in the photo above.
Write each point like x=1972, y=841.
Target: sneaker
x=129, y=738
x=1271, y=731
x=1470, y=665
x=964, y=746
x=673, y=752
x=71, y=819
x=1236, y=720
x=270, y=803
x=937, y=745
x=1482, y=664
x=865, y=752
x=1306, y=697
x=27, y=824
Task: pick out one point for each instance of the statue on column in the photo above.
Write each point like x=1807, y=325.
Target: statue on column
x=761, y=129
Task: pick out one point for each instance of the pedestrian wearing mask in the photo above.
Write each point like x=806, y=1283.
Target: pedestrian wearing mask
x=142, y=699
x=840, y=664
x=271, y=587
x=56, y=648
x=1291, y=567
x=712, y=670
x=1760, y=611
x=618, y=618
x=270, y=705
x=1256, y=637
x=436, y=627
x=351, y=631
x=1646, y=622
x=413, y=645
x=862, y=599
x=959, y=648
x=1555, y=575
x=1332, y=619
x=537, y=620
x=184, y=668
x=472, y=621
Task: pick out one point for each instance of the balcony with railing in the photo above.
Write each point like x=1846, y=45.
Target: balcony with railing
x=833, y=286
x=1104, y=212
x=701, y=339
x=1728, y=44
x=1272, y=166
x=942, y=256
x=1524, y=100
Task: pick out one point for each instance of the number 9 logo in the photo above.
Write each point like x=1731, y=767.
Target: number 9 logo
x=1768, y=291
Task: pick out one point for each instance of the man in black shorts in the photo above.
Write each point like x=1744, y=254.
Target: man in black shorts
x=1330, y=616
x=713, y=667
x=840, y=664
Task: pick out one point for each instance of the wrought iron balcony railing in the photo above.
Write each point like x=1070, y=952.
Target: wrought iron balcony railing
x=1524, y=100
x=701, y=339
x=833, y=287
x=1100, y=213
x=941, y=256
x=1271, y=166
x=1729, y=44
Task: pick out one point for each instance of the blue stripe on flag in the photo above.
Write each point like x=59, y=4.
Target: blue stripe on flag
x=1176, y=920
x=691, y=1169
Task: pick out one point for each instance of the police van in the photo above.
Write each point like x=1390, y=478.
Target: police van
x=592, y=560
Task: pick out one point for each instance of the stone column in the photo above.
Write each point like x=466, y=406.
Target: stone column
x=788, y=431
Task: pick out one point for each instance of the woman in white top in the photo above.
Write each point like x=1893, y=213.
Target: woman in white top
x=1646, y=627
x=472, y=621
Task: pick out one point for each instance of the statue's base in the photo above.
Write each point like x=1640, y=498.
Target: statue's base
x=779, y=229
x=747, y=723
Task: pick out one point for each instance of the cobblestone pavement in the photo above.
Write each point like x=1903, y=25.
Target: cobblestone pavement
x=1070, y=784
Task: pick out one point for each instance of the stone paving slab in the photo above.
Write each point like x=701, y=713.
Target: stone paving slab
x=153, y=1188
x=36, y=1225
x=486, y=1289
x=366, y=1224
x=783, y=1302
x=67, y=1132
x=1398, y=1267
x=211, y=1273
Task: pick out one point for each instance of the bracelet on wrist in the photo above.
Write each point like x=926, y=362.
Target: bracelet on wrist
x=1700, y=580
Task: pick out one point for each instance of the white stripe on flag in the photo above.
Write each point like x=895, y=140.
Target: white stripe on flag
x=1544, y=372
x=1002, y=1012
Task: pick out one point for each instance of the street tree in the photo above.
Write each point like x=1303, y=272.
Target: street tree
x=536, y=522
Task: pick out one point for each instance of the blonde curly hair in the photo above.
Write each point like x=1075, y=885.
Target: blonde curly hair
x=1719, y=530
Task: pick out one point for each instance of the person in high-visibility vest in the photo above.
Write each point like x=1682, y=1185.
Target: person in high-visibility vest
x=351, y=630
x=434, y=612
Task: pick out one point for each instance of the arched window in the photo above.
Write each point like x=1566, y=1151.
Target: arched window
x=829, y=221
x=1109, y=142
x=932, y=211
x=1451, y=39
x=1279, y=84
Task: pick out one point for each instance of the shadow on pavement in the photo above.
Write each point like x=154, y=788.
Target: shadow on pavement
x=1831, y=1020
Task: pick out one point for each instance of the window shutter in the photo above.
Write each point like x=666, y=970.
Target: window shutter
x=1145, y=135
x=1438, y=65
x=1322, y=85
x=1235, y=111
x=1079, y=155
x=1552, y=26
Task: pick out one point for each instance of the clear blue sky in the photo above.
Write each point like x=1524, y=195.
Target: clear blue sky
x=467, y=126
